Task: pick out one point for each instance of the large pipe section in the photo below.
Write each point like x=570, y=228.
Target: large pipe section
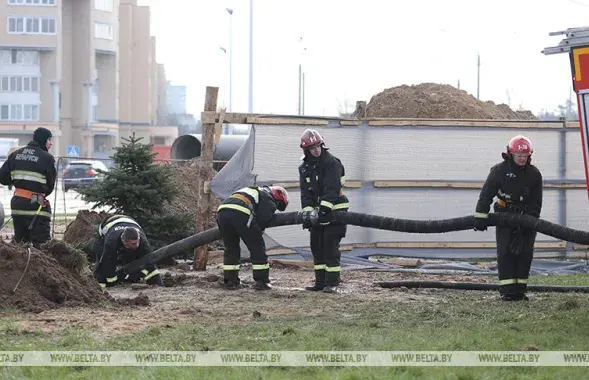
x=502, y=219
x=476, y=286
x=186, y=147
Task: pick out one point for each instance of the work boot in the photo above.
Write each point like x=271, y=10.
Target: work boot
x=231, y=284
x=521, y=297
x=330, y=289
x=509, y=297
x=262, y=285
x=319, y=281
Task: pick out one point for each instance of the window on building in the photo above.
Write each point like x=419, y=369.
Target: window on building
x=4, y=112
x=104, y=5
x=32, y=2
x=103, y=30
x=19, y=112
x=19, y=84
x=47, y=25
x=31, y=25
x=4, y=84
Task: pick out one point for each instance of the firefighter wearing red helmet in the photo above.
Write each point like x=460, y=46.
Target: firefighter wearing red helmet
x=322, y=176
x=517, y=184
x=245, y=215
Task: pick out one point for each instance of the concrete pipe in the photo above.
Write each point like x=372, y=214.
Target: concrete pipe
x=186, y=147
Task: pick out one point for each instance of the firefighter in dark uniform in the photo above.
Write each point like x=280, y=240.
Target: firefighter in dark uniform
x=322, y=176
x=246, y=214
x=518, y=186
x=124, y=242
x=31, y=171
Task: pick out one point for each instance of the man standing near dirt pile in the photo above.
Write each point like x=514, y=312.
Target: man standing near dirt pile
x=244, y=215
x=124, y=241
x=31, y=170
x=518, y=186
x=322, y=176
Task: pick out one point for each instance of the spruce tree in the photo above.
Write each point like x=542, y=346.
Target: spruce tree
x=137, y=187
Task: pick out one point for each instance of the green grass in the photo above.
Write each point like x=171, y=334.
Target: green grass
x=451, y=320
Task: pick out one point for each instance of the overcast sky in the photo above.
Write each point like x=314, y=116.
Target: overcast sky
x=353, y=52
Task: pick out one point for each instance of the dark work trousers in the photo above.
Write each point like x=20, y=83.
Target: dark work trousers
x=233, y=226
x=23, y=213
x=515, y=251
x=325, y=241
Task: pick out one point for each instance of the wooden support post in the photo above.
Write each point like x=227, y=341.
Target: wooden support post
x=205, y=167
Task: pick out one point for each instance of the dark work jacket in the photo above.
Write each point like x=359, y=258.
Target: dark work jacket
x=321, y=182
x=519, y=187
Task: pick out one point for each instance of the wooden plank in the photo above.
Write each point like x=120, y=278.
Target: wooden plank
x=281, y=121
x=293, y=264
x=463, y=123
x=280, y=251
x=205, y=166
x=400, y=183
x=292, y=185
x=219, y=126
x=350, y=122
x=461, y=185
x=474, y=244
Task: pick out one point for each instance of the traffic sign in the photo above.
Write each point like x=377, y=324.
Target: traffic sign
x=73, y=151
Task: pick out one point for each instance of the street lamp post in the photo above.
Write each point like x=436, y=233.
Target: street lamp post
x=251, y=76
x=230, y=11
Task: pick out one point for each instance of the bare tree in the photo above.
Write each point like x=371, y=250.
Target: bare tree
x=345, y=107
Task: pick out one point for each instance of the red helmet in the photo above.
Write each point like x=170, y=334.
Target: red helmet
x=310, y=139
x=280, y=196
x=520, y=144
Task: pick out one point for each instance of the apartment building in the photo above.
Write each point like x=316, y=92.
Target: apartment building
x=84, y=68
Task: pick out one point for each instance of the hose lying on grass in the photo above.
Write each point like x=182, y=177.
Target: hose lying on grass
x=475, y=286
x=374, y=221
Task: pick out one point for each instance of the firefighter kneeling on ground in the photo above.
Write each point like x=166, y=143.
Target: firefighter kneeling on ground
x=123, y=242
x=31, y=170
x=246, y=214
x=322, y=176
x=518, y=186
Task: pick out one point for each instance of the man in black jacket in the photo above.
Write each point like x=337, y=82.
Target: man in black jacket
x=245, y=215
x=31, y=170
x=123, y=242
x=322, y=176
x=518, y=186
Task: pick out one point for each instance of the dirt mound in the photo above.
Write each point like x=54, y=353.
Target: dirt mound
x=186, y=178
x=55, y=277
x=437, y=101
x=81, y=230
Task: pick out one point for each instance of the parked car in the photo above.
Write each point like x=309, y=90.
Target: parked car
x=82, y=173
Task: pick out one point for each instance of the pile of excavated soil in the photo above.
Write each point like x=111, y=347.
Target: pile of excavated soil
x=187, y=180
x=81, y=230
x=57, y=276
x=437, y=101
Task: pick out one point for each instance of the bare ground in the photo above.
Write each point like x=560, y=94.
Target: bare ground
x=197, y=297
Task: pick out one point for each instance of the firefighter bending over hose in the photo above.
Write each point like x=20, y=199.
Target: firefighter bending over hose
x=245, y=215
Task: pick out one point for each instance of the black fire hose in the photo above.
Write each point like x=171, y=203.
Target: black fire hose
x=502, y=219
x=476, y=286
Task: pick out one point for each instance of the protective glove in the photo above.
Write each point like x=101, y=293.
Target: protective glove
x=325, y=215
x=310, y=218
x=480, y=224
